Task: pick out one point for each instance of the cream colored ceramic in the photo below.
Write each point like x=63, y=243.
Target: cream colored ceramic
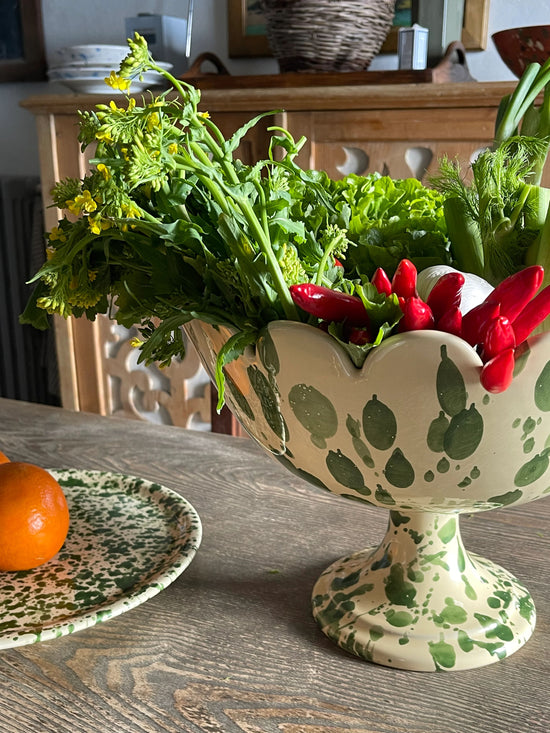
x=415, y=433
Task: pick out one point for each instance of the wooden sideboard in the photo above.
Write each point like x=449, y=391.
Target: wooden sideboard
x=399, y=129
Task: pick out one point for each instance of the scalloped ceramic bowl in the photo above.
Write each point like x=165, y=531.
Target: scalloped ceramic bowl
x=415, y=433
x=519, y=47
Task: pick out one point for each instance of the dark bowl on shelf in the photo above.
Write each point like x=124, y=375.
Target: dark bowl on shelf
x=519, y=47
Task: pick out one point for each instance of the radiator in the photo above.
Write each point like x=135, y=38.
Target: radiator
x=27, y=356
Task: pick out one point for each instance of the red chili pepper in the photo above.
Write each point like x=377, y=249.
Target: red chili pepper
x=497, y=374
x=446, y=294
x=381, y=281
x=516, y=291
x=451, y=322
x=475, y=321
x=337, y=263
x=329, y=305
x=499, y=336
x=404, y=279
x=416, y=315
x=532, y=315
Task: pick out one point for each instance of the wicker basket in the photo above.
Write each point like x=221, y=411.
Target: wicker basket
x=327, y=35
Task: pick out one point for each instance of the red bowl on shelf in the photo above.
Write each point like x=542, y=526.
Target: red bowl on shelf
x=519, y=47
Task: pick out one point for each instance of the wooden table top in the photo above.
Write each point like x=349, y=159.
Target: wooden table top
x=231, y=645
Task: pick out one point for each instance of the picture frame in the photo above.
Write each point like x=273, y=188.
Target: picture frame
x=22, y=38
x=474, y=28
x=243, y=42
x=247, y=39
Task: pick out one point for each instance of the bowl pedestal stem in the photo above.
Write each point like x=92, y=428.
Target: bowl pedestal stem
x=420, y=601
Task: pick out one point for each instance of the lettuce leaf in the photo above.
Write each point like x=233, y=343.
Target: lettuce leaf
x=388, y=220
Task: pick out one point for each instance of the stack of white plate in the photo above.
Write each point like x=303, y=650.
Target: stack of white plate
x=84, y=68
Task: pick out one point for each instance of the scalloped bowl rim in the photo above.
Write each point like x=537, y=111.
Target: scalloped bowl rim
x=390, y=369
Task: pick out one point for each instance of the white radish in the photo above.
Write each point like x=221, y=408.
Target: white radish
x=474, y=292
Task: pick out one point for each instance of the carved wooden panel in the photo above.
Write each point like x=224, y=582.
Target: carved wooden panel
x=397, y=159
x=400, y=143
x=176, y=395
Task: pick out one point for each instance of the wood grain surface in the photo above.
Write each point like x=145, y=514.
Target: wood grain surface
x=340, y=97
x=231, y=645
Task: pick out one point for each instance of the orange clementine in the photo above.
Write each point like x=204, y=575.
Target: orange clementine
x=34, y=517
x=3, y=458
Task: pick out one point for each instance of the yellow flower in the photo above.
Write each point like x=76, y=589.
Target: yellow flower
x=102, y=168
x=87, y=202
x=117, y=82
x=173, y=148
x=57, y=234
x=204, y=115
x=131, y=211
x=153, y=121
x=97, y=224
x=120, y=110
x=92, y=274
x=104, y=134
x=136, y=343
x=82, y=202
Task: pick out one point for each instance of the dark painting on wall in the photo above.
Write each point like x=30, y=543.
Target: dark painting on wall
x=11, y=40
x=22, y=56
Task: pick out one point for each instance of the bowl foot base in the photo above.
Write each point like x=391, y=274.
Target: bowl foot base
x=420, y=602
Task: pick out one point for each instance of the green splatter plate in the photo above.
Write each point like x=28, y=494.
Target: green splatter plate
x=128, y=540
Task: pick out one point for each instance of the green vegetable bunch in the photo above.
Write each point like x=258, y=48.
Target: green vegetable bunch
x=169, y=226
x=494, y=221
x=172, y=227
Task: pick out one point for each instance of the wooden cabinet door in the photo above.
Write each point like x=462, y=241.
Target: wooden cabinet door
x=397, y=142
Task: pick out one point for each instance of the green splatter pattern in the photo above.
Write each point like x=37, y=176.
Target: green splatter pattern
x=380, y=444
x=379, y=424
x=315, y=412
x=415, y=433
x=128, y=540
x=454, y=610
